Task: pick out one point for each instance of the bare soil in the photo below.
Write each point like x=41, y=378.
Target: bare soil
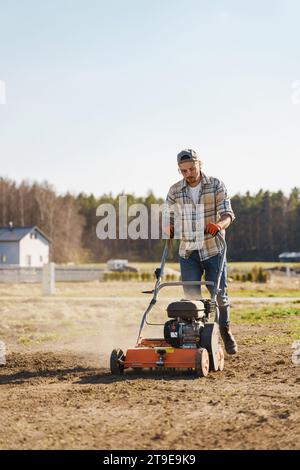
x=57, y=392
x=56, y=400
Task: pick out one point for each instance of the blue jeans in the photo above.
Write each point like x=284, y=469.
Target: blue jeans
x=192, y=269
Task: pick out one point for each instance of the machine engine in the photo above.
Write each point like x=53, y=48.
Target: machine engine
x=183, y=333
x=188, y=319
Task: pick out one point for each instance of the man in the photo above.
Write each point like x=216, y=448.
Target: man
x=209, y=213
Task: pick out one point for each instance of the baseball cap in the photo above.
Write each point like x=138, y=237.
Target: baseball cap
x=187, y=155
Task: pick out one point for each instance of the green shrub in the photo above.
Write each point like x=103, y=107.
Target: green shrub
x=146, y=276
x=254, y=273
x=262, y=276
x=257, y=274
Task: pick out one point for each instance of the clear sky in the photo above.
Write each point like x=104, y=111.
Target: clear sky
x=102, y=95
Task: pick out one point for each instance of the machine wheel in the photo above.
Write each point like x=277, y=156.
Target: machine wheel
x=116, y=362
x=221, y=358
x=202, y=362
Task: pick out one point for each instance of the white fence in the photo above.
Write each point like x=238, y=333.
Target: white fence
x=13, y=274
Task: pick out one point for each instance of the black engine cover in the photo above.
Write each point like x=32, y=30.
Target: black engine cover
x=172, y=333
x=183, y=334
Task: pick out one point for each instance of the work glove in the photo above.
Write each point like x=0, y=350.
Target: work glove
x=212, y=228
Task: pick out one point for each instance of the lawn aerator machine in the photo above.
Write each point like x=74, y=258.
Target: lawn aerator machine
x=191, y=334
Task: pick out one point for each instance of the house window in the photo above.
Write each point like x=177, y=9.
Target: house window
x=28, y=260
x=41, y=259
x=3, y=258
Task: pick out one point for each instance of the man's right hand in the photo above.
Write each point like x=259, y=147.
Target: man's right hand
x=213, y=229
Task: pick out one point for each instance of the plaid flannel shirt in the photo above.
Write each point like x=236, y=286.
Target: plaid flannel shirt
x=214, y=201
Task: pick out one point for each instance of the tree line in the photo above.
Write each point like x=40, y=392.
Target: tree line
x=267, y=223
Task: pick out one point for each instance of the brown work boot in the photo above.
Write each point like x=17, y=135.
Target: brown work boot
x=228, y=340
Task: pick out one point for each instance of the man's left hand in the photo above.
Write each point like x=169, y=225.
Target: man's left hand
x=212, y=228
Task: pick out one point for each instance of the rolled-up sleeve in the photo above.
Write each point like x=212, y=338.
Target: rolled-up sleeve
x=223, y=201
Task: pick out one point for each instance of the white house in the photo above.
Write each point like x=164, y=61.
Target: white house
x=23, y=246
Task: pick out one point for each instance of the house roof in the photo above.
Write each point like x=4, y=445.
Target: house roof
x=15, y=234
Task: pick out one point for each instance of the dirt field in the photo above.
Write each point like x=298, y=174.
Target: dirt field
x=57, y=392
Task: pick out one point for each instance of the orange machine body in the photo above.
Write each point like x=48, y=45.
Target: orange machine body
x=155, y=353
